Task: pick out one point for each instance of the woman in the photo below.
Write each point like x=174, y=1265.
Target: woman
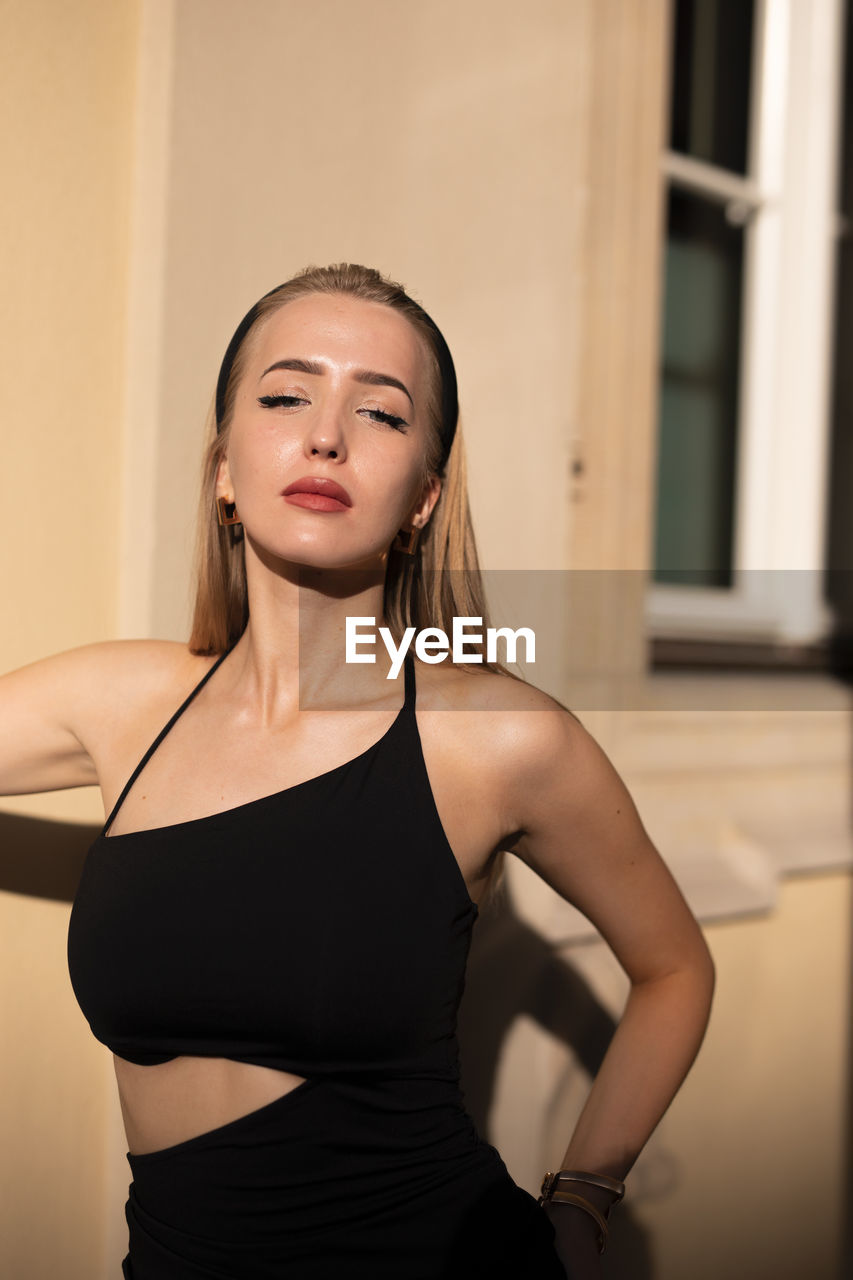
x=271, y=931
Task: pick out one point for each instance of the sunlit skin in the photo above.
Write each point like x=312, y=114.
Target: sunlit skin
x=288, y=424
x=307, y=569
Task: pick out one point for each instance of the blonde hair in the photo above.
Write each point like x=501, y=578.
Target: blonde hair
x=439, y=582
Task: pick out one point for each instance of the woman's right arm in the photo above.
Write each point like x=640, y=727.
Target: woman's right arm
x=41, y=747
x=63, y=714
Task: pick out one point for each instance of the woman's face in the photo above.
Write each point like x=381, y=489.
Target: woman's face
x=332, y=398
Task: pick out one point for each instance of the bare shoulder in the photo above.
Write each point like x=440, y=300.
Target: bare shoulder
x=85, y=691
x=110, y=668
x=142, y=677
x=144, y=667
x=554, y=786
x=510, y=705
x=63, y=712
x=518, y=735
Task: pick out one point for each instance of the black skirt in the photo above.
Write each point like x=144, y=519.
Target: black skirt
x=379, y=1179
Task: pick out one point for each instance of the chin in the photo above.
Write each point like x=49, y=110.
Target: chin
x=331, y=560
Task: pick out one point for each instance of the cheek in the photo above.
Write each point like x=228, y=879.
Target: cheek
x=404, y=490
x=260, y=461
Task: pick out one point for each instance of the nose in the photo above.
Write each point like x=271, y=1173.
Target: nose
x=325, y=435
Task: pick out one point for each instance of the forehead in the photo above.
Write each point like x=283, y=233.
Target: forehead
x=343, y=331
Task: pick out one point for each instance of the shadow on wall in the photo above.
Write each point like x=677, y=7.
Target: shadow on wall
x=512, y=970
x=41, y=858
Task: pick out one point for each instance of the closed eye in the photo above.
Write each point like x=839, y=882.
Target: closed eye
x=273, y=402
x=290, y=402
x=390, y=419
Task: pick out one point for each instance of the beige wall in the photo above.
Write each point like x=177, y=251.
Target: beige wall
x=758, y=1137
x=744, y=1177
x=66, y=92
x=66, y=89
x=441, y=142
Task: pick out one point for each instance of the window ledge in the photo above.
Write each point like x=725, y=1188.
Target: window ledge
x=680, y=652
x=735, y=784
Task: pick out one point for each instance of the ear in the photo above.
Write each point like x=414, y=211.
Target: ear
x=224, y=487
x=429, y=497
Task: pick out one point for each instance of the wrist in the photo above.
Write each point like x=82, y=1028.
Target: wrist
x=573, y=1227
x=580, y=1203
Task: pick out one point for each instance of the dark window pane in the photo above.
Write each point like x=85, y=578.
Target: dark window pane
x=699, y=393
x=712, y=56
x=839, y=554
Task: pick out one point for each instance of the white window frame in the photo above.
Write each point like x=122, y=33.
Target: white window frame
x=788, y=205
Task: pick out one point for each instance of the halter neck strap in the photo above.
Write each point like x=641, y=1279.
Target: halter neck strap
x=161, y=735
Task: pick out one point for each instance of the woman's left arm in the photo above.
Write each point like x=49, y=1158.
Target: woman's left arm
x=580, y=831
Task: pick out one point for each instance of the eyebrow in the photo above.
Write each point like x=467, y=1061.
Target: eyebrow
x=367, y=376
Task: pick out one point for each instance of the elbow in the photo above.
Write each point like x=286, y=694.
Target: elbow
x=701, y=975
x=707, y=969
x=691, y=973
x=709, y=980
x=698, y=969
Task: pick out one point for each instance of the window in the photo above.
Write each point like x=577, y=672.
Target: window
x=751, y=178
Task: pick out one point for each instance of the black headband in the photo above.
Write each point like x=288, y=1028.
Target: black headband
x=449, y=393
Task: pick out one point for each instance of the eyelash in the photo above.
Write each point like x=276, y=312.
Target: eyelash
x=287, y=402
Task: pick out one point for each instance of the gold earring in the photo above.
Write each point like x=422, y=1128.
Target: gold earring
x=407, y=541
x=226, y=511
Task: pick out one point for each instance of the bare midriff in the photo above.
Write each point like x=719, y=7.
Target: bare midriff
x=182, y=1099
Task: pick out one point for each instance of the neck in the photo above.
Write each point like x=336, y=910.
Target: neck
x=292, y=654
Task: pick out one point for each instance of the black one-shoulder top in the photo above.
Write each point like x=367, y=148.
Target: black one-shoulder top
x=322, y=929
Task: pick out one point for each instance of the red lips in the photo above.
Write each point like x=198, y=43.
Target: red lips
x=320, y=486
